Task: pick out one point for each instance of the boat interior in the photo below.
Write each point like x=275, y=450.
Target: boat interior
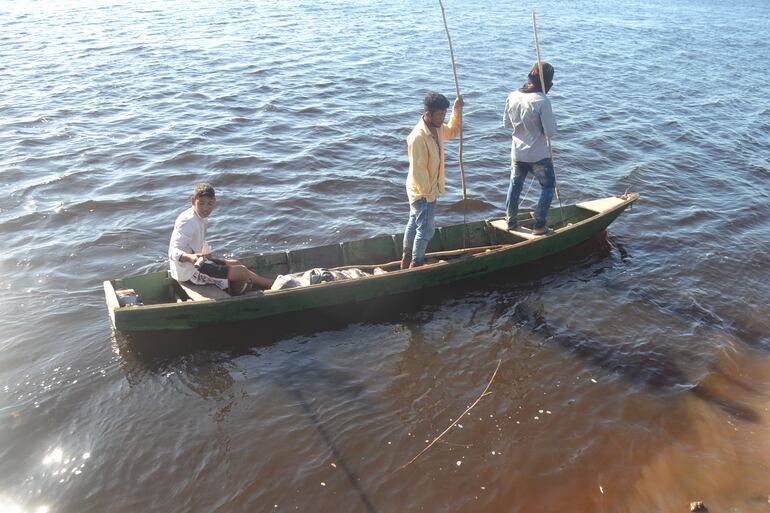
x=383, y=252
x=448, y=242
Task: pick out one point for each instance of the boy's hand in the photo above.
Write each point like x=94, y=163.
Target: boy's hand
x=193, y=258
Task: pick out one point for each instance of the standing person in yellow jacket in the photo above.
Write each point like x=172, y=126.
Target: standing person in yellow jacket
x=425, y=181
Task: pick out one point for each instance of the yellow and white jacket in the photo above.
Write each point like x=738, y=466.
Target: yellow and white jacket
x=426, y=163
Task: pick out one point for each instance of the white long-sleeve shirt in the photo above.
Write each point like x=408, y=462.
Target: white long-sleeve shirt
x=189, y=236
x=531, y=118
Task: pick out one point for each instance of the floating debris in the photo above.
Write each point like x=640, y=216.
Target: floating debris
x=698, y=506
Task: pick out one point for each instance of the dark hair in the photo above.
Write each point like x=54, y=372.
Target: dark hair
x=434, y=102
x=533, y=79
x=203, y=190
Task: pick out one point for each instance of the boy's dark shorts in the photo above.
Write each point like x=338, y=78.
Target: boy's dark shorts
x=214, y=267
x=212, y=271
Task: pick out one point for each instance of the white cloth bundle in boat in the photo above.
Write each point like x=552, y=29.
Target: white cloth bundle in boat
x=318, y=275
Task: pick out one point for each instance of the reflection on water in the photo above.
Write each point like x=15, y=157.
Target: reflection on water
x=565, y=387
x=60, y=466
x=7, y=506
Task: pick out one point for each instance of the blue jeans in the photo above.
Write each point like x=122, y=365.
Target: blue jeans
x=543, y=171
x=419, y=229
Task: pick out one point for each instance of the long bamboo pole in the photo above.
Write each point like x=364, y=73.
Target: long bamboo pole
x=466, y=241
x=542, y=88
x=457, y=90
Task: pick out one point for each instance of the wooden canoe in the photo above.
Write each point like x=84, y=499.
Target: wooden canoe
x=459, y=252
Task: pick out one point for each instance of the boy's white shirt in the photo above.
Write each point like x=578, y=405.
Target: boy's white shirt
x=189, y=236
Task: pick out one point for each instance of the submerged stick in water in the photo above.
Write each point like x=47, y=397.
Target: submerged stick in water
x=485, y=392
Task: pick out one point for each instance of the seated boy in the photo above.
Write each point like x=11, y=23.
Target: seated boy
x=190, y=256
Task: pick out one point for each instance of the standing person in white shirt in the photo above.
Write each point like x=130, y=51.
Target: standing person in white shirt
x=528, y=112
x=190, y=256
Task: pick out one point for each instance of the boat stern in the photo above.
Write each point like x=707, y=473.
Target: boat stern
x=111, y=298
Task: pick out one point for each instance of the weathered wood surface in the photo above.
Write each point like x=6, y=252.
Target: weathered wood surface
x=203, y=292
x=601, y=205
x=520, y=231
x=498, y=250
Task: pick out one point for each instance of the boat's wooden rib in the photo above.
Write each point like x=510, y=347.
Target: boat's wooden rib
x=465, y=252
x=429, y=256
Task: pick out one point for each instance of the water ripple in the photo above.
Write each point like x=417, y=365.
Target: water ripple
x=651, y=340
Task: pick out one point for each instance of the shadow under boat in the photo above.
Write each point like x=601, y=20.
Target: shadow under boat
x=656, y=368
x=752, y=332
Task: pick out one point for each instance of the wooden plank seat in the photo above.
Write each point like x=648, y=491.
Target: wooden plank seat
x=203, y=292
x=601, y=205
x=520, y=231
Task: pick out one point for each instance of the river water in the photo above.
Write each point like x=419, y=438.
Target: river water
x=633, y=374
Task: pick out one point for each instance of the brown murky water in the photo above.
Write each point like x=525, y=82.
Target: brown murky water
x=633, y=373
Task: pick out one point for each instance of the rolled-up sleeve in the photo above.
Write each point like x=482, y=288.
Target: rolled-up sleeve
x=452, y=129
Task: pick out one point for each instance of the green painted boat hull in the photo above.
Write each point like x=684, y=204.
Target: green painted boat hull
x=161, y=311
